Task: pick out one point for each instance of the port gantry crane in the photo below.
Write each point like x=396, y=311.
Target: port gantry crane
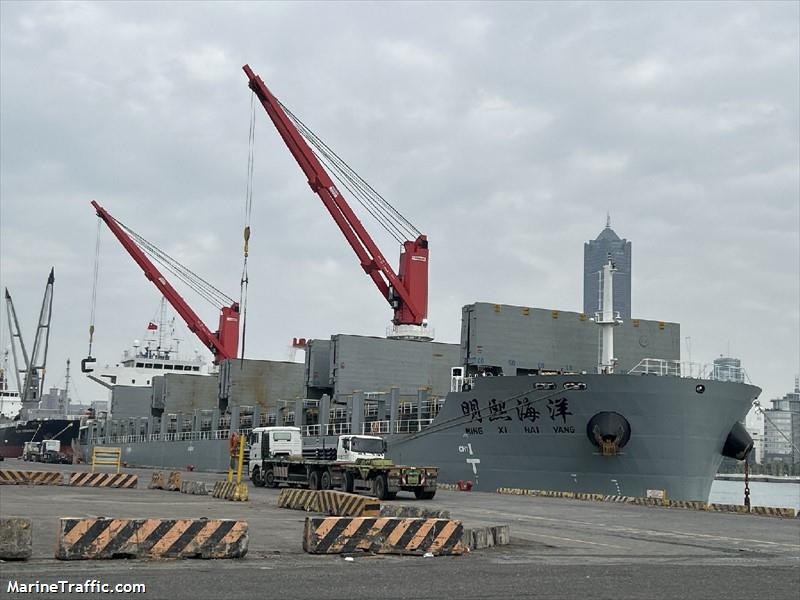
x=407, y=290
x=31, y=387
x=223, y=343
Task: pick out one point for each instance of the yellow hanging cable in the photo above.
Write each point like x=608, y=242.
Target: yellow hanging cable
x=248, y=212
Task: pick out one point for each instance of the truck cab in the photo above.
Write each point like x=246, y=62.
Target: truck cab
x=31, y=451
x=272, y=442
x=359, y=448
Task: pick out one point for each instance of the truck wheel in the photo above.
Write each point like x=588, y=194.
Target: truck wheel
x=325, y=480
x=269, y=478
x=380, y=487
x=256, y=478
x=313, y=480
x=349, y=483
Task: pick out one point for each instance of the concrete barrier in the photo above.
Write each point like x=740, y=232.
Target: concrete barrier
x=16, y=477
x=174, y=481
x=663, y=502
x=771, y=511
x=342, y=504
x=295, y=499
x=13, y=477
x=197, y=488
x=16, y=539
x=157, y=481
x=230, y=490
x=106, y=480
x=382, y=535
x=91, y=538
x=405, y=512
x=478, y=538
x=726, y=508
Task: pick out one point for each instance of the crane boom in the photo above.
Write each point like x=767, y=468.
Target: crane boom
x=406, y=290
x=224, y=343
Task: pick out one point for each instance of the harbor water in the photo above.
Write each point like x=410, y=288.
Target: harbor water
x=762, y=493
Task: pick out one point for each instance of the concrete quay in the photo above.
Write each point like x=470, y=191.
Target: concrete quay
x=559, y=548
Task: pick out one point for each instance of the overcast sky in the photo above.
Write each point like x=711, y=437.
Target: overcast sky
x=503, y=131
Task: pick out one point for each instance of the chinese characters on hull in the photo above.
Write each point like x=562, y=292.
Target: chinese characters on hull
x=525, y=412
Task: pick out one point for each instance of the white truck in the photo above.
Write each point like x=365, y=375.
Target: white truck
x=276, y=457
x=46, y=451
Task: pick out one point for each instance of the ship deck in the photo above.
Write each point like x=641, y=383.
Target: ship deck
x=559, y=549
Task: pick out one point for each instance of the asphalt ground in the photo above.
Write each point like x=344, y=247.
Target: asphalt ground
x=559, y=549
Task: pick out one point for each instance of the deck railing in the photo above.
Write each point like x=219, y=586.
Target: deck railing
x=677, y=368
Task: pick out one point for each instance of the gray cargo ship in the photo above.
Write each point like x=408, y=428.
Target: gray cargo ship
x=541, y=421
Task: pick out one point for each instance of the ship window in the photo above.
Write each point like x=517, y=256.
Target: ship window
x=158, y=366
x=148, y=365
x=574, y=385
x=132, y=381
x=545, y=386
x=195, y=368
x=179, y=367
x=140, y=365
x=168, y=367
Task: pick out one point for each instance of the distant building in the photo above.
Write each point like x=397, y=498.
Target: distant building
x=782, y=428
x=727, y=368
x=54, y=400
x=758, y=443
x=595, y=255
x=99, y=406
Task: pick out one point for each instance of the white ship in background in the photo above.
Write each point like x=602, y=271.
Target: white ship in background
x=157, y=354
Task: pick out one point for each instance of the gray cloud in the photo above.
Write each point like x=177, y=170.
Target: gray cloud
x=502, y=130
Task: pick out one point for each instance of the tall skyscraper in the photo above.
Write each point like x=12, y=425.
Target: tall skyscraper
x=595, y=255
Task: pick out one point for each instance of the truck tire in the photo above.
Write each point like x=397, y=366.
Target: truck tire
x=325, y=480
x=269, y=478
x=256, y=478
x=349, y=483
x=380, y=487
x=423, y=495
x=314, y=480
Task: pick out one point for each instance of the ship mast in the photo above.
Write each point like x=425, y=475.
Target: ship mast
x=607, y=319
x=66, y=391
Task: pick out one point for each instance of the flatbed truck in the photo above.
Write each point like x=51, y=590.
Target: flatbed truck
x=276, y=457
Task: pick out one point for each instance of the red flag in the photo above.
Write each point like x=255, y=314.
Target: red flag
x=151, y=326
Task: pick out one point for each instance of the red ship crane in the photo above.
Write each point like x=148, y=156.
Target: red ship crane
x=223, y=343
x=407, y=290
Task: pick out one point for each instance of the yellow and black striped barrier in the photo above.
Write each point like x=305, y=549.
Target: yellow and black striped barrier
x=686, y=504
x=230, y=490
x=45, y=478
x=295, y=499
x=15, y=477
x=786, y=513
x=106, y=480
x=341, y=504
x=81, y=539
x=383, y=535
x=174, y=481
x=157, y=481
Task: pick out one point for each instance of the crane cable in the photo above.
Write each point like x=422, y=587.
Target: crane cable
x=248, y=211
x=94, y=285
x=394, y=222
x=203, y=288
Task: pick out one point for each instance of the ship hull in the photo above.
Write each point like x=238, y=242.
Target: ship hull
x=505, y=433
x=677, y=434
x=13, y=435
